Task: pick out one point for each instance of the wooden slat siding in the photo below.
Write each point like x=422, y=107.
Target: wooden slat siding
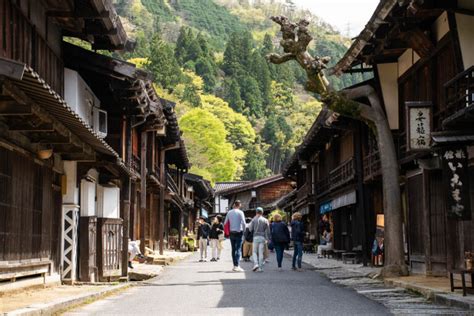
x=47, y=213
x=5, y=199
x=437, y=219
x=109, y=251
x=55, y=244
x=20, y=42
x=23, y=175
x=37, y=212
x=415, y=214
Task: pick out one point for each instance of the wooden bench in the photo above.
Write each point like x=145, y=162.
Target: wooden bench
x=463, y=273
x=328, y=253
x=13, y=270
x=308, y=248
x=349, y=256
x=338, y=254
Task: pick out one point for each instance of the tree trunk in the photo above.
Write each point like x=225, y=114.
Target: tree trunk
x=295, y=40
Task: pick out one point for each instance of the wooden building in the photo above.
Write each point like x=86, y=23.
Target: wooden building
x=90, y=156
x=328, y=170
x=221, y=203
x=263, y=193
x=422, y=57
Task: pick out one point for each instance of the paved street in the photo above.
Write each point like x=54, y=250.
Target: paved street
x=211, y=288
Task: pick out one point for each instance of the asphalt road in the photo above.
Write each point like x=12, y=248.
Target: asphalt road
x=211, y=288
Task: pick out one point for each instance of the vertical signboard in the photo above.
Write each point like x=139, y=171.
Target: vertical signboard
x=456, y=177
x=418, y=125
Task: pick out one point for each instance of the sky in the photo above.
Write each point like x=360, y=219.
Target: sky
x=341, y=13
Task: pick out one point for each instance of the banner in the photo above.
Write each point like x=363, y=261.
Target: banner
x=456, y=177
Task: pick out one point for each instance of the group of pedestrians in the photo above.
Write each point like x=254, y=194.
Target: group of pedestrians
x=213, y=234
x=264, y=235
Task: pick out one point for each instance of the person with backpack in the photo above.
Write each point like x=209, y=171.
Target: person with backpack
x=280, y=238
x=248, y=240
x=235, y=218
x=297, y=235
x=260, y=230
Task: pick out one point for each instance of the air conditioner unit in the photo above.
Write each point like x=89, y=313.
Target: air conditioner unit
x=108, y=202
x=100, y=122
x=79, y=96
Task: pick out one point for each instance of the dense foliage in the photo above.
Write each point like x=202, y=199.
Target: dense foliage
x=241, y=116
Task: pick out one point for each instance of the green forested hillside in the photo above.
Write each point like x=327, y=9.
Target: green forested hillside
x=241, y=116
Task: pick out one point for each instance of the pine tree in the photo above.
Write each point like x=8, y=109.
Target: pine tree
x=205, y=69
x=163, y=64
x=251, y=95
x=232, y=96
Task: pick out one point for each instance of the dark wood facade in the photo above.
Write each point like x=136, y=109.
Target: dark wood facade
x=435, y=70
x=53, y=209
x=263, y=193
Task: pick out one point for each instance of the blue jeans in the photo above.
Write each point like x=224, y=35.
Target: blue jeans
x=236, y=243
x=279, y=248
x=258, y=247
x=298, y=254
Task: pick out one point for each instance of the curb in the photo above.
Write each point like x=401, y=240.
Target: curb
x=439, y=297
x=54, y=307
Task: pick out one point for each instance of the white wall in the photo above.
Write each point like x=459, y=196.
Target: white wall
x=406, y=60
x=71, y=192
x=388, y=74
x=108, y=202
x=441, y=26
x=465, y=25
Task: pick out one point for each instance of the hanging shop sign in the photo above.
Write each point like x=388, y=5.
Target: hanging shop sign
x=419, y=123
x=456, y=175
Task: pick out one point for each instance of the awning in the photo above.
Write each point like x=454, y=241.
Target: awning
x=40, y=92
x=338, y=202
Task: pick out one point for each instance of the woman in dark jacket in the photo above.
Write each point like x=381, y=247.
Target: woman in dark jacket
x=297, y=235
x=217, y=229
x=280, y=237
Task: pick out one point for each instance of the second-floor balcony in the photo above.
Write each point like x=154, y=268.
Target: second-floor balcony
x=372, y=165
x=459, y=93
x=342, y=174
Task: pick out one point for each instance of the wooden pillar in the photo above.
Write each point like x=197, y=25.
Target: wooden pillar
x=143, y=190
x=360, y=207
x=125, y=196
x=426, y=218
x=161, y=223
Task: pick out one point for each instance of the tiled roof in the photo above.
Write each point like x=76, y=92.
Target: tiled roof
x=252, y=185
x=221, y=186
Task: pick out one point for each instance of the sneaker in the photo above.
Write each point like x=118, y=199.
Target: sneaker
x=234, y=269
x=130, y=265
x=259, y=270
x=280, y=269
x=213, y=259
x=201, y=260
x=217, y=259
x=293, y=268
x=238, y=269
x=255, y=268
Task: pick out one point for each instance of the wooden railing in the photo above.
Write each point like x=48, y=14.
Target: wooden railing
x=339, y=176
x=304, y=191
x=372, y=166
x=459, y=93
x=109, y=247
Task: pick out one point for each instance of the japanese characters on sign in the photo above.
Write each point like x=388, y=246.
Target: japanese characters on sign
x=419, y=125
x=455, y=173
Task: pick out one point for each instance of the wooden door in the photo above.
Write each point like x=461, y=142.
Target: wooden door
x=416, y=222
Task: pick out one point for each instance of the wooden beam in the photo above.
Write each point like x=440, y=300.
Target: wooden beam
x=25, y=127
x=67, y=148
x=12, y=108
x=49, y=138
x=11, y=69
x=77, y=14
x=79, y=157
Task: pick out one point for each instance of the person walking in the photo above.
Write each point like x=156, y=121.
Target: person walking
x=203, y=236
x=248, y=240
x=216, y=229
x=236, y=219
x=280, y=238
x=260, y=229
x=297, y=235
